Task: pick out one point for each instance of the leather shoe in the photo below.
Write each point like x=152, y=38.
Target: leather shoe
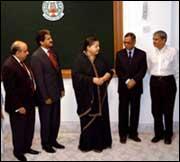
x=135, y=138
x=20, y=157
x=97, y=150
x=49, y=149
x=31, y=151
x=59, y=146
x=123, y=140
x=167, y=141
x=156, y=139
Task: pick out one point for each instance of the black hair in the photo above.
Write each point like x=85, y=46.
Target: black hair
x=41, y=35
x=132, y=35
x=88, y=42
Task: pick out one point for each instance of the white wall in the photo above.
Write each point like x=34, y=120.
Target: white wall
x=175, y=43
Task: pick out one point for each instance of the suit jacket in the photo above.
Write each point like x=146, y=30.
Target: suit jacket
x=136, y=70
x=48, y=79
x=17, y=85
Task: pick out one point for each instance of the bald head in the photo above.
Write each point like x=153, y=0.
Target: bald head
x=19, y=49
x=17, y=46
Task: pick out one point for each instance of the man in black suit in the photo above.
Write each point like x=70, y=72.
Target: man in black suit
x=131, y=67
x=50, y=89
x=19, y=101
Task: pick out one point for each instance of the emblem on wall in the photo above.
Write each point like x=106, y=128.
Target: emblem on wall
x=53, y=10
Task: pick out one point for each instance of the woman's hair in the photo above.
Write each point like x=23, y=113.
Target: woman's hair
x=88, y=42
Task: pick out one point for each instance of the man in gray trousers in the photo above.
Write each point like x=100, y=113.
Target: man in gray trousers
x=50, y=89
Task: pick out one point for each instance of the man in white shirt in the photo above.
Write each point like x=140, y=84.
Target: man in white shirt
x=163, y=67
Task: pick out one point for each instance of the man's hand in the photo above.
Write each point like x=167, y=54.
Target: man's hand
x=62, y=93
x=131, y=83
x=97, y=81
x=21, y=110
x=48, y=101
x=2, y=115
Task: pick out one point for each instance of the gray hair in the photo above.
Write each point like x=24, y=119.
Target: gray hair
x=16, y=46
x=162, y=34
x=132, y=35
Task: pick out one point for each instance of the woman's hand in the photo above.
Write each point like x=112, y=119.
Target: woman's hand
x=106, y=77
x=98, y=81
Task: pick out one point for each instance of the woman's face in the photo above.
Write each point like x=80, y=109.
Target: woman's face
x=94, y=48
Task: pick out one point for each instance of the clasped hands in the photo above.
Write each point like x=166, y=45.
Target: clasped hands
x=99, y=81
x=49, y=101
x=131, y=83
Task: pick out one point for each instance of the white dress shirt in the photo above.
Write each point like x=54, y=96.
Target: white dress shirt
x=132, y=52
x=163, y=62
x=45, y=50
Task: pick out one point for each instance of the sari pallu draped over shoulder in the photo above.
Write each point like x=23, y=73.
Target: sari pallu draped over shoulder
x=90, y=97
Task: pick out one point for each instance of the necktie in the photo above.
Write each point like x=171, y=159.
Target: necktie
x=130, y=57
x=53, y=59
x=30, y=74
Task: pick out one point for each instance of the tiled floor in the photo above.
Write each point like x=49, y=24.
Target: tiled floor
x=132, y=151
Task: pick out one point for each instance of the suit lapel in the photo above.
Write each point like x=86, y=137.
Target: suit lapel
x=19, y=67
x=126, y=56
x=44, y=56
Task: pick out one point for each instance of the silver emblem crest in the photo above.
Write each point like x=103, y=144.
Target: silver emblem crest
x=53, y=10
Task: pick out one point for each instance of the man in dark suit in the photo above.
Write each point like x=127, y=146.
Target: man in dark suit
x=19, y=101
x=131, y=67
x=50, y=89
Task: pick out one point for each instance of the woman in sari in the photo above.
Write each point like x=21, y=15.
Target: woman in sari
x=91, y=74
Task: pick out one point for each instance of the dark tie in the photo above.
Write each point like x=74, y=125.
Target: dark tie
x=130, y=57
x=30, y=74
x=53, y=59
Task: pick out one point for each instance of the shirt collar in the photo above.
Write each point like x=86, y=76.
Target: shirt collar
x=45, y=49
x=132, y=50
x=162, y=49
x=16, y=59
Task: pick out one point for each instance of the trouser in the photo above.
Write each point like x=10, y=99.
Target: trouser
x=163, y=93
x=50, y=122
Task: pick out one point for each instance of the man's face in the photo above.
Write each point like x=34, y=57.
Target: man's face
x=158, y=42
x=129, y=43
x=48, y=42
x=23, y=52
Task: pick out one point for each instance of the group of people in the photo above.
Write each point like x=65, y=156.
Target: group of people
x=40, y=83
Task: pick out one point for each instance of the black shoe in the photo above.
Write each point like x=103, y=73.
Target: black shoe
x=98, y=150
x=123, y=139
x=59, y=146
x=156, y=139
x=31, y=151
x=135, y=138
x=49, y=149
x=85, y=150
x=167, y=141
x=20, y=157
